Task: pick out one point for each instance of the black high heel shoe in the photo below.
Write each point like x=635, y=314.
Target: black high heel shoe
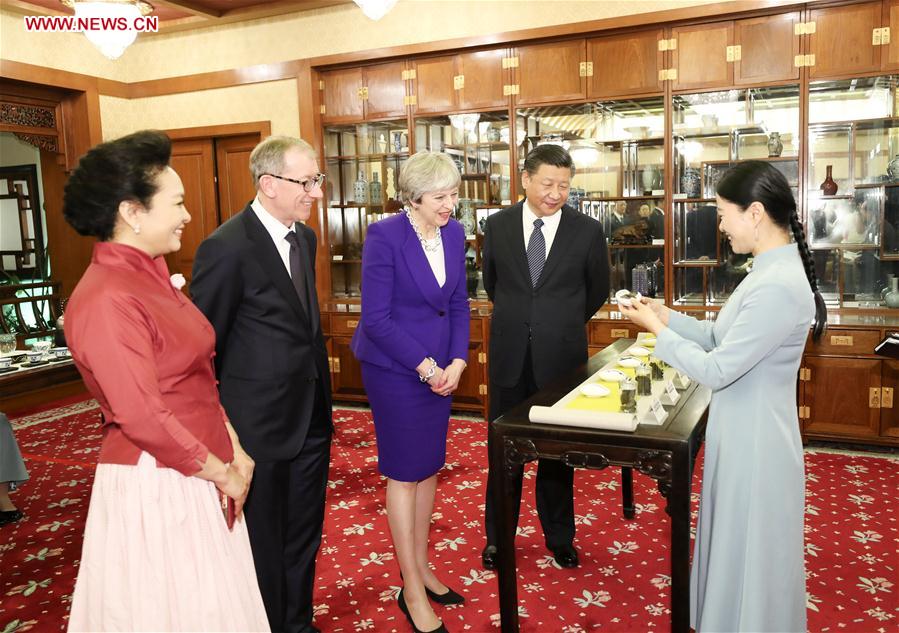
x=446, y=599
x=401, y=603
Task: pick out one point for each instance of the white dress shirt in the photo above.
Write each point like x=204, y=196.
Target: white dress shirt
x=438, y=265
x=276, y=230
x=549, y=228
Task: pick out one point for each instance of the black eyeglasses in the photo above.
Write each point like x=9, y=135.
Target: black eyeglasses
x=308, y=185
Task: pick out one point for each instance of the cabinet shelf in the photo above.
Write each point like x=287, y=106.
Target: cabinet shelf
x=493, y=146
x=614, y=246
x=368, y=158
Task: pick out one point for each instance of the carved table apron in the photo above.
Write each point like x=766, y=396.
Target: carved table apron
x=666, y=453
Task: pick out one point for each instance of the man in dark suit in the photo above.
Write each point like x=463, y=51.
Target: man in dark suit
x=546, y=269
x=254, y=280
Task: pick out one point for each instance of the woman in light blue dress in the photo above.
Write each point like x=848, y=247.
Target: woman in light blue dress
x=748, y=572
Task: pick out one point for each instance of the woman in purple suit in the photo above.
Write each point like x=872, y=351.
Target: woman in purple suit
x=412, y=343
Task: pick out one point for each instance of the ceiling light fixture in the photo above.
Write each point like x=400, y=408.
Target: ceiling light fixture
x=375, y=9
x=119, y=20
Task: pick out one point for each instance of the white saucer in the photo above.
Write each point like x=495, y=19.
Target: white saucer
x=649, y=341
x=611, y=375
x=629, y=362
x=594, y=390
x=636, y=350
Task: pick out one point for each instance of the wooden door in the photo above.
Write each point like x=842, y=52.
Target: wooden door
x=625, y=65
x=700, y=55
x=342, y=96
x=434, y=92
x=839, y=396
x=889, y=412
x=843, y=40
x=232, y=164
x=549, y=73
x=768, y=48
x=194, y=161
x=346, y=375
x=890, y=52
x=484, y=80
x=386, y=91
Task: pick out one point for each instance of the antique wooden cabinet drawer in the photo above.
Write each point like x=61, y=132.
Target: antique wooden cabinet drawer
x=344, y=324
x=607, y=332
x=477, y=329
x=844, y=341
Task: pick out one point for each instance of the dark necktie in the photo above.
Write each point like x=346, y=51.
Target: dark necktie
x=536, y=252
x=297, y=276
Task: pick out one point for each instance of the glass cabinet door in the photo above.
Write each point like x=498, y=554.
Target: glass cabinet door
x=853, y=202
x=713, y=132
x=362, y=163
x=478, y=142
x=618, y=152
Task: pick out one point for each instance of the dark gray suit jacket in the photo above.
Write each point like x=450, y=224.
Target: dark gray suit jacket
x=268, y=349
x=551, y=316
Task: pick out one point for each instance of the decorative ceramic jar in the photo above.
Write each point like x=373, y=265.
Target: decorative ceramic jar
x=360, y=189
x=690, y=182
x=893, y=168
x=892, y=297
x=775, y=145
x=374, y=189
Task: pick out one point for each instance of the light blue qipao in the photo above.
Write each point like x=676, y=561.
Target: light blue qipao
x=748, y=570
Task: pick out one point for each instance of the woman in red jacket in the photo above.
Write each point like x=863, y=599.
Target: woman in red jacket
x=157, y=553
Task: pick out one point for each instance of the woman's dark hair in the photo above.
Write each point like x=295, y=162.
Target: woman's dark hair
x=109, y=174
x=758, y=181
x=548, y=154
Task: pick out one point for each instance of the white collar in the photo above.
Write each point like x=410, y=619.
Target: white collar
x=274, y=227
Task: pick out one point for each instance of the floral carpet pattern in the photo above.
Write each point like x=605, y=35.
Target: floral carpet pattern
x=622, y=584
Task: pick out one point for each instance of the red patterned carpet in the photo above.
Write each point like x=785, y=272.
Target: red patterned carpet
x=622, y=584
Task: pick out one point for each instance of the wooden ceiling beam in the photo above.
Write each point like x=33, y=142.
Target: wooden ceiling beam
x=194, y=8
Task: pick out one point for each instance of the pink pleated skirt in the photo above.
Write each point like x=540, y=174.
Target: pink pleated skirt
x=157, y=556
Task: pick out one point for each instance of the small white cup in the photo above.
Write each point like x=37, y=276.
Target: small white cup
x=5, y=361
x=35, y=357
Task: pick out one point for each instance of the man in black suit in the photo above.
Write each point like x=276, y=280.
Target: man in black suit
x=546, y=269
x=254, y=280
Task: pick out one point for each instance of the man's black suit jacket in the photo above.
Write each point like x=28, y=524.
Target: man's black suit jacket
x=268, y=349
x=551, y=315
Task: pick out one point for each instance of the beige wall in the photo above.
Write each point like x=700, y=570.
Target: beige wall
x=327, y=31
x=274, y=101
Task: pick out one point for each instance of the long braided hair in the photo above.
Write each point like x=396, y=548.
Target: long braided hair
x=758, y=181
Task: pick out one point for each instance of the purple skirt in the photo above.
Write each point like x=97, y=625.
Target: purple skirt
x=411, y=422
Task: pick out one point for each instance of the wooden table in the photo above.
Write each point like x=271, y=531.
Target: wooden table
x=666, y=453
x=34, y=387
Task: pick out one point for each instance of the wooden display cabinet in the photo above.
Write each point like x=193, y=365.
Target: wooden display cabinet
x=368, y=93
x=853, y=231
x=655, y=114
x=625, y=65
x=740, y=52
x=346, y=372
x=714, y=131
x=846, y=392
x=462, y=82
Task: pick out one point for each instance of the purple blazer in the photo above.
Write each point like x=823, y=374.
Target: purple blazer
x=406, y=316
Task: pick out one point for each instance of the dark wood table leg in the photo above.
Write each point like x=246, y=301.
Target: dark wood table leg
x=679, y=510
x=627, y=492
x=506, y=570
